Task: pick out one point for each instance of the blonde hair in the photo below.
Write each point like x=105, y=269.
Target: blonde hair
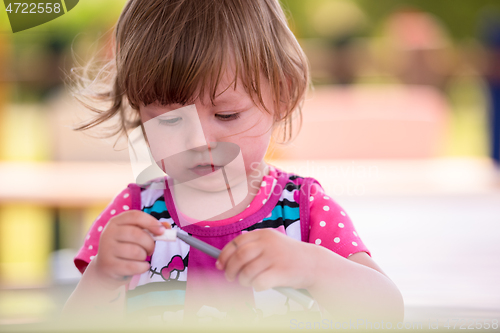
x=174, y=51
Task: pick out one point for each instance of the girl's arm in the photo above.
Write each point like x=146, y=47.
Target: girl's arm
x=348, y=290
x=93, y=299
x=334, y=265
x=354, y=289
x=124, y=244
x=343, y=255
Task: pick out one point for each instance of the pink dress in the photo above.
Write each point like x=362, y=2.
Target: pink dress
x=293, y=205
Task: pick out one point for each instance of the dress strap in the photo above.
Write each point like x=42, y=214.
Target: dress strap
x=135, y=194
x=304, y=202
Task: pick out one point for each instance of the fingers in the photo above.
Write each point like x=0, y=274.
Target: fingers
x=125, y=243
x=241, y=256
x=245, y=258
x=129, y=251
x=127, y=268
x=263, y=259
x=249, y=264
x=135, y=235
x=115, y=271
x=266, y=279
x=141, y=220
x=231, y=247
x=252, y=270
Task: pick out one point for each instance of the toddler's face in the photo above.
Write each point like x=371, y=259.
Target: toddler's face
x=191, y=142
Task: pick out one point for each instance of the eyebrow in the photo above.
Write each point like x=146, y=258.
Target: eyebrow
x=230, y=106
x=232, y=98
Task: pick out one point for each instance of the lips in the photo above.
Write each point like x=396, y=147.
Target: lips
x=205, y=169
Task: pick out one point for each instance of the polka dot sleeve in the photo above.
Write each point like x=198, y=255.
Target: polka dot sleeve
x=330, y=226
x=88, y=251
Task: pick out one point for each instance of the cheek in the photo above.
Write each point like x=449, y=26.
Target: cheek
x=254, y=149
x=254, y=145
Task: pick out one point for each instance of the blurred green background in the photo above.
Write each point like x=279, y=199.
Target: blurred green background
x=428, y=48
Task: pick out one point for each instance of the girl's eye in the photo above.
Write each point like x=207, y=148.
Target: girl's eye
x=169, y=121
x=227, y=116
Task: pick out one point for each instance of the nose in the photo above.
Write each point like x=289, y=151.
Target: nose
x=195, y=140
x=208, y=145
x=201, y=137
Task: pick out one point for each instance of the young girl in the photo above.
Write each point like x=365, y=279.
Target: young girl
x=237, y=64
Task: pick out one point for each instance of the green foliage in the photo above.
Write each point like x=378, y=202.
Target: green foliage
x=460, y=17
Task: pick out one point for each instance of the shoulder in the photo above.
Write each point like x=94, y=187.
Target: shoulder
x=331, y=226
x=295, y=187
x=294, y=181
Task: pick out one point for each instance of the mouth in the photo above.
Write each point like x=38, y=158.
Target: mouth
x=204, y=169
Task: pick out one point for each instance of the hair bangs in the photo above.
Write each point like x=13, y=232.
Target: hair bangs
x=176, y=65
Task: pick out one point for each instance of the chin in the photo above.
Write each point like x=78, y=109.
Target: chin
x=206, y=185
x=215, y=183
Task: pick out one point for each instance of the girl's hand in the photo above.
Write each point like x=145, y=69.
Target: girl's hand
x=266, y=258
x=124, y=245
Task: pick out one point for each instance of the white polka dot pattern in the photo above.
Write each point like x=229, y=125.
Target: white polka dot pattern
x=330, y=226
x=88, y=251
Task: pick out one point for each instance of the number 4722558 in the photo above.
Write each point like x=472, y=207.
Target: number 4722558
x=33, y=8
x=471, y=324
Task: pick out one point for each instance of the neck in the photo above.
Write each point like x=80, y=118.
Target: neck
x=200, y=204
x=254, y=179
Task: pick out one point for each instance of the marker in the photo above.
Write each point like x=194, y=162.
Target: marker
x=170, y=235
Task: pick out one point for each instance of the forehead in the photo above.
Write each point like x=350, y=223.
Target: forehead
x=229, y=90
